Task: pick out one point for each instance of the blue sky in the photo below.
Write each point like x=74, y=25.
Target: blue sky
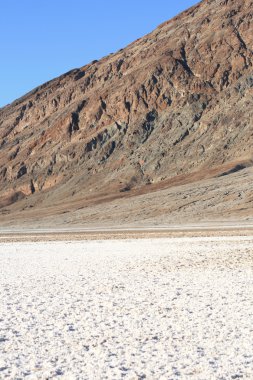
x=41, y=39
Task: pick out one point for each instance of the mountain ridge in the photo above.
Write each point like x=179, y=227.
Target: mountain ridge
x=175, y=102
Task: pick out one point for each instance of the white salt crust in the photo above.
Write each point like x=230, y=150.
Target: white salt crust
x=157, y=309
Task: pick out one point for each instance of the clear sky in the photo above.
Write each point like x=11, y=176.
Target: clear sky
x=41, y=39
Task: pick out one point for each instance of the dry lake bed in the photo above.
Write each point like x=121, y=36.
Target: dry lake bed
x=169, y=308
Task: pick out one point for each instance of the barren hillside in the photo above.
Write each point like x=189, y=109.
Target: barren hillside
x=167, y=116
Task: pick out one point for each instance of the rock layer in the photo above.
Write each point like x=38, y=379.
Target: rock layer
x=175, y=102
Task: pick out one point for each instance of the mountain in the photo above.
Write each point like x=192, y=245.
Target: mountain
x=165, y=124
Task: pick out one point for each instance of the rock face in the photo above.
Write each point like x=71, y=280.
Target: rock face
x=175, y=102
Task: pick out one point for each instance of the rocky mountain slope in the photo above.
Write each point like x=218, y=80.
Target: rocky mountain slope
x=172, y=108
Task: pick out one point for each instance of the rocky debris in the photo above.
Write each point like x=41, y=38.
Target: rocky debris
x=174, y=102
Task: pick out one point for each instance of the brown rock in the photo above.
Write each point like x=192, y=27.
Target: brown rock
x=175, y=102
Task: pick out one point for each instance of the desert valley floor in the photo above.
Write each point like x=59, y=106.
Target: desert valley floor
x=168, y=308
x=126, y=202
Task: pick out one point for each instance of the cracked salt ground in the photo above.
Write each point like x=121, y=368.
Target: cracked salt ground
x=156, y=309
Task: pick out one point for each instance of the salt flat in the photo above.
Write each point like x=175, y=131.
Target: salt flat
x=177, y=308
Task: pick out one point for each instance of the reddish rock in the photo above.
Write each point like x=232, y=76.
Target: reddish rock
x=174, y=102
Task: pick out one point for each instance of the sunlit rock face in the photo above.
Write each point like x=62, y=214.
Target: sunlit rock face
x=175, y=102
